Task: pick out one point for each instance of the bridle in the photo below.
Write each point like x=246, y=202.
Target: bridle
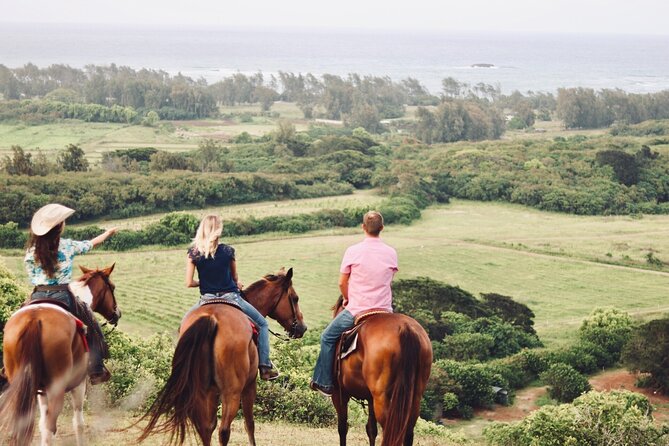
x=113, y=321
x=293, y=326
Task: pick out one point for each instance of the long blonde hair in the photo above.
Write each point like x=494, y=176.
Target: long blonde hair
x=207, y=235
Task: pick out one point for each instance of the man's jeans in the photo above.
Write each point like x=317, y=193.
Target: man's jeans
x=254, y=315
x=331, y=334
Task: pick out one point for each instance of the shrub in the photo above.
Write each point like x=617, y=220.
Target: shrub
x=11, y=236
x=647, y=352
x=609, y=329
x=12, y=295
x=596, y=418
x=474, y=384
x=565, y=382
x=139, y=366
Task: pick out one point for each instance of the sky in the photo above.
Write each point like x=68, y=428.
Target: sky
x=567, y=16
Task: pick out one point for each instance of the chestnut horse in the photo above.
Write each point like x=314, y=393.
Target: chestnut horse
x=216, y=361
x=43, y=351
x=389, y=369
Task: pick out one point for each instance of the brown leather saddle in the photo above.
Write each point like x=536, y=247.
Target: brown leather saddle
x=232, y=303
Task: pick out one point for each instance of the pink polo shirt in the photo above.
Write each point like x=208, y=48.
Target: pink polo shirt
x=371, y=265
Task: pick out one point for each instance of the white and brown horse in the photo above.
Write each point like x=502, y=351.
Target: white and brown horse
x=45, y=357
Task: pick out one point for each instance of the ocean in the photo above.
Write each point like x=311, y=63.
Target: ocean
x=537, y=62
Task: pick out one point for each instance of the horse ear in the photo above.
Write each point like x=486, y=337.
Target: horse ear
x=84, y=269
x=282, y=271
x=289, y=275
x=107, y=271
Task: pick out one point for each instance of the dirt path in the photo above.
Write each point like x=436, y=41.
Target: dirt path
x=525, y=401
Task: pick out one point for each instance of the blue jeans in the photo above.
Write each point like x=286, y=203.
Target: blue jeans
x=255, y=316
x=323, y=370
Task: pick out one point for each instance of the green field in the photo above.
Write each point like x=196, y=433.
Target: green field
x=551, y=262
x=97, y=138
x=259, y=210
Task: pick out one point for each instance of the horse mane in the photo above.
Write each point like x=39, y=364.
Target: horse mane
x=89, y=275
x=336, y=308
x=258, y=284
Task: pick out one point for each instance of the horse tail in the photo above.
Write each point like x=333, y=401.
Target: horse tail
x=17, y=404
x=403, y=389
x=192, y=375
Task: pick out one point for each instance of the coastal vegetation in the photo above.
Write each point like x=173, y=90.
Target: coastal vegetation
x=511, y=296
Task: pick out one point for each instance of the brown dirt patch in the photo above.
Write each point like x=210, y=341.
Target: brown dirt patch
x=523, y=404
x=623, y=380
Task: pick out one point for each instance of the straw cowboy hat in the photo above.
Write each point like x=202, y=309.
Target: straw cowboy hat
x=48, y=217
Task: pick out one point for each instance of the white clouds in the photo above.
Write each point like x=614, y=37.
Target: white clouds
x=641, y=16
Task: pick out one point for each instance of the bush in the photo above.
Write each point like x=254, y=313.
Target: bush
x=473, y=384
x=11, y=236
x=609, y=329
x=647, y=352
x=565, y=382
x=12, y=295
x=606, y=418
x=140, y=367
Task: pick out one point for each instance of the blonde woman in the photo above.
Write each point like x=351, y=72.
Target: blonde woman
x=217, y=273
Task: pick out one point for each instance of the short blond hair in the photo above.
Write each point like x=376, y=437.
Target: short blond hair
x=207, y=235
x=372, y=222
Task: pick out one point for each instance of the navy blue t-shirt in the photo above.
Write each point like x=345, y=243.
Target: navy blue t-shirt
x=214, y=273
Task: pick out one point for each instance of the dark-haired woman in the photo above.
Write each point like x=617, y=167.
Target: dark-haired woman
x=49, y=260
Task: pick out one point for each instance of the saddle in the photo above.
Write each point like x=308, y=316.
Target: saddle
x=80, y=325
x=348, y=342
x=232, y=303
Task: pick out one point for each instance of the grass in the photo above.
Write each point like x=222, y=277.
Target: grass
x=481, y=247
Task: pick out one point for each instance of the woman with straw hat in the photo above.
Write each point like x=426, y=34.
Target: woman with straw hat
x=49, y=260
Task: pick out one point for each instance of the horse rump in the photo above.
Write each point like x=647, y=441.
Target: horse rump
x=181, y=397
x=18, y=401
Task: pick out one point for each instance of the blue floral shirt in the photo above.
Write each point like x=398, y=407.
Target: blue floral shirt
x=67, y=249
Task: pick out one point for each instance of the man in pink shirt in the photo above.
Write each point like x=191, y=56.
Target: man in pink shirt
x=367, y=271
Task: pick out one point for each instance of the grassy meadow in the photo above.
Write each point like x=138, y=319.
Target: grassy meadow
x=97, y=138
x=561, y=266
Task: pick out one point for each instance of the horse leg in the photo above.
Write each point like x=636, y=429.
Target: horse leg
x=248, y=398
x=45, y=433
x=78, y=396
x=379, y=404
x=229, y=408
x=372, y=428
x=340, y=401
x=54, y=405
x=206, y=424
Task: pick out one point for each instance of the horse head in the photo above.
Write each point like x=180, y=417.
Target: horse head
x=101, y=290
x=274, y=296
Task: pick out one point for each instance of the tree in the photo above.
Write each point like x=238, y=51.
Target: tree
x=151, y=119
x=20, y=163
x=73, y=159
x=648, y=352
x=265, y=96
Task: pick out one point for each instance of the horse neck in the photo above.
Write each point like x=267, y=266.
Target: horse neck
x=262, y=298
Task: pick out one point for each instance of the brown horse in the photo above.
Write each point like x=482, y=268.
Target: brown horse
x=216, y=361
x=43, y=351
x=389, y=369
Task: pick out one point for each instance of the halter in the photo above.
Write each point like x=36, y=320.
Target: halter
x=293, y=325
x=114, y=321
